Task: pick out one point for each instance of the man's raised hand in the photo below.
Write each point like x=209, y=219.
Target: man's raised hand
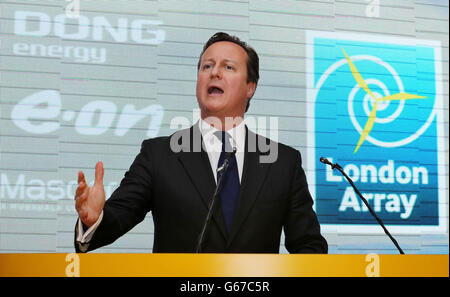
x=89, y=201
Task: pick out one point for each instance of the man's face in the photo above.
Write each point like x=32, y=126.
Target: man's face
x=222, y=88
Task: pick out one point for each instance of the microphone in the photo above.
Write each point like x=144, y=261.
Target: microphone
x=380, y=222
x=325, y=161
x=228, y=156
x=220, y=174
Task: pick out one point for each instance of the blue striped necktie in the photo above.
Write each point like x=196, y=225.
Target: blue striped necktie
x=230, y=183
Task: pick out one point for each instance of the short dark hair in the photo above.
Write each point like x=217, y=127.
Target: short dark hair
x=252, y=57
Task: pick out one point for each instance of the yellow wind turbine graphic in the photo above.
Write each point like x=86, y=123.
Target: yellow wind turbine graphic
x=373, y=113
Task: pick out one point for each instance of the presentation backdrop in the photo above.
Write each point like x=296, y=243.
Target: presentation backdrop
x=361, y=82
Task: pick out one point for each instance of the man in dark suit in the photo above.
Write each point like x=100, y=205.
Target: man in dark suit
x=263, y=190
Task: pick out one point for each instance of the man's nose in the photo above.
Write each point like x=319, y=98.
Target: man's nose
x=216, y=71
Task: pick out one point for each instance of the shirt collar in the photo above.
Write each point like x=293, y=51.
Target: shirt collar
x=237, y=133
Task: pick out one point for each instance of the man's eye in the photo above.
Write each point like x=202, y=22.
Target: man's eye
x=229, y=67
x=206, y=66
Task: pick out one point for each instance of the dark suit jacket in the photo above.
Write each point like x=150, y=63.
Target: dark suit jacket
x=178, y=186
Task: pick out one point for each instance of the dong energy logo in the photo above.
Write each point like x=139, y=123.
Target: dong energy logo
x=376, y=109
x=97, y=28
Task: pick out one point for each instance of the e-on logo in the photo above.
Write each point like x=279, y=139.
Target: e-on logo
x=375, y=107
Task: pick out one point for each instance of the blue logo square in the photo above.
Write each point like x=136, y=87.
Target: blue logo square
x=375, y=107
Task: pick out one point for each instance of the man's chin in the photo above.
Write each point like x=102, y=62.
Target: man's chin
x=213, y=105
x=212, y=112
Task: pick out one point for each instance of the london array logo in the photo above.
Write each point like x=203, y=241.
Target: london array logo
x=375, y=107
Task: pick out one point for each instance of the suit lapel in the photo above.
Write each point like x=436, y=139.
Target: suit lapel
x=197, y=166
x=253, y=176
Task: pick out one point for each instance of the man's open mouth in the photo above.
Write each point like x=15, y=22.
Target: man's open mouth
x=214, y=90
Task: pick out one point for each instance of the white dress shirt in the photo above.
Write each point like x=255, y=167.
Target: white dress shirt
x=213, y=147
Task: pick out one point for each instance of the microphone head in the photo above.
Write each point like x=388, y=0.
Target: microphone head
x=325, y=161
x=231, y=154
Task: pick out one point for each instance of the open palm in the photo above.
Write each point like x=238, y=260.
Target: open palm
x=89, y=201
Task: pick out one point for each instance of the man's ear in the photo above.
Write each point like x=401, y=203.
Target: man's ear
x=251, y=87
